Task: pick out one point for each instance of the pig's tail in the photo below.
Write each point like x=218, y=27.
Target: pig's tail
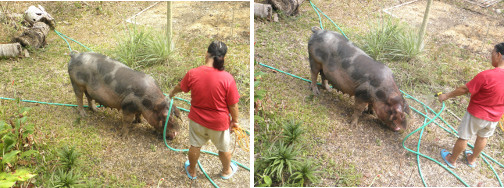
x=218, y=50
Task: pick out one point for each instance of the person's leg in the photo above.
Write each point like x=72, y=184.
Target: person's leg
x=225, y=158
x=221, y=140
x=193, y=155
x=197, y=139
x=478, y=147
x=459, y=147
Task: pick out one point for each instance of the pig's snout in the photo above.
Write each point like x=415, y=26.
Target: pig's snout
x=171, y=135
x=400, y=123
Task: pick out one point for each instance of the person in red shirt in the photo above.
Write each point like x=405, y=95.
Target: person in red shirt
x=213, y=97
x=484, y=111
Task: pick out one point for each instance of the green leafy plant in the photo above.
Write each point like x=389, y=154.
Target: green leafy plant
x=282, y=159
x=292, y=132
x=305, y=174
x=258, y=93
x=8, y=179
x=267, y=181
x=66, y=179
x=68, y=158
x=67, y=174
x=15, y=144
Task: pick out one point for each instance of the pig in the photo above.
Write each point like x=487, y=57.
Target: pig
x=351, y=71
x=114, y=85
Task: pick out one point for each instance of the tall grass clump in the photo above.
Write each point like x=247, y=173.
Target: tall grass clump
x=142, y=47
x=391, y=40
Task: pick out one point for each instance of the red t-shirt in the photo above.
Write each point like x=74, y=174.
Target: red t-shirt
x=212, y=91
x=487, y=95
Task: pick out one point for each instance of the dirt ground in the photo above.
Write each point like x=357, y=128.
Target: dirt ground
x=468, y=28
x=229, y=20
x=141, y=158
x=376, y=151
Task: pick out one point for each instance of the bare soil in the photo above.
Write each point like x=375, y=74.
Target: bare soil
x=141, y=158
x=376, y=151
x=203, y=18
x=467, y=28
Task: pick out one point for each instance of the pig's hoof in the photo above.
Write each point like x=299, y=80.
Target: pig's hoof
x=353, y=123
x=82, y=114
x=94, y=109
x=315, y=91
x=137, y=121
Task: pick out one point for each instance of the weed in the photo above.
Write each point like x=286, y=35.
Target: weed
x=292, y=132
x=68, y=158
x=348, y=175
x=258, y=93
x=66, y=179
x=305, y=174
x=15, y=143
x=282, y=159
x=267, y=181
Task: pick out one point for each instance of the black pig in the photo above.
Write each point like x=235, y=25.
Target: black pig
x=115, y=85
x=350, y=70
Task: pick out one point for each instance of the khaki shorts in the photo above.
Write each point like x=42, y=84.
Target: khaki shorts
x=471, y=125
x=199, y=136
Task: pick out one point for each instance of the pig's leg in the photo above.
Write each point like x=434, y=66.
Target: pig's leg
x=325, y=82
x=126, y=122
x=315, y=70
x=370, y=108
x=79, y=96
x=358, y=108
x=137, y=118
x=91, y=102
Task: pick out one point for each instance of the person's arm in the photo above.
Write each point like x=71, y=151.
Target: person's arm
x=175, y=90
x=457, y=92
x=234, y=116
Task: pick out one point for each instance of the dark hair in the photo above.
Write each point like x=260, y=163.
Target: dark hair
x=500, y=48
x=218, y=50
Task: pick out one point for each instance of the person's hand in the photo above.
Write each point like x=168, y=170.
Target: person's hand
x=172, y=95
x=442, y=97
x=234, y=125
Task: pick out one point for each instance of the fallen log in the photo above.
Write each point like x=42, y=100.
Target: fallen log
x=10, y=50
x=288, y=7
x=34, y=36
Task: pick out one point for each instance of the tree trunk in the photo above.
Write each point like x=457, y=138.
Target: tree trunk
x=35, y=36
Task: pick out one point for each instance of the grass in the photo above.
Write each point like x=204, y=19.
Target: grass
x=391, y=39
x=142, y=46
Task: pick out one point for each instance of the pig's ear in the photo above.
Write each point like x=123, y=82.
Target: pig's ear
x=176, y=111
x=406, y=109
x=165, y=112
